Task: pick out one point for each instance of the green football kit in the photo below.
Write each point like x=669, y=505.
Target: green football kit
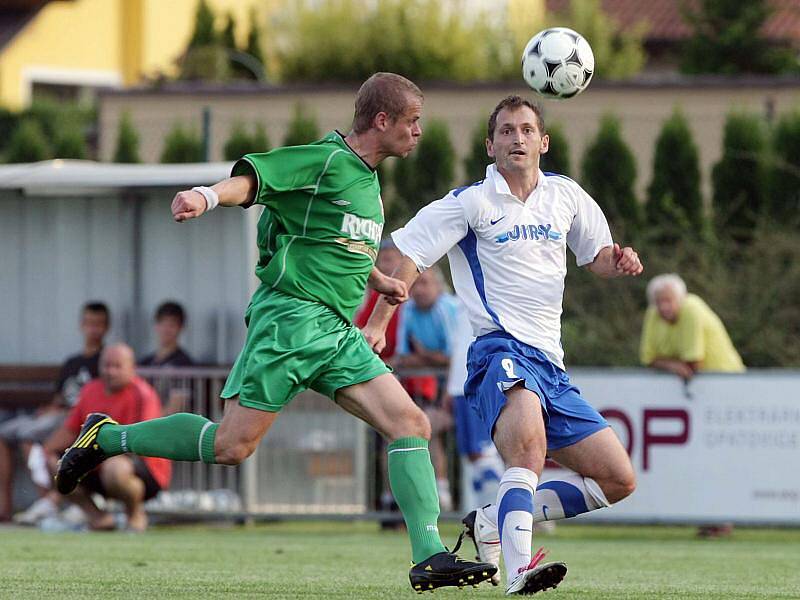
x=318, y=238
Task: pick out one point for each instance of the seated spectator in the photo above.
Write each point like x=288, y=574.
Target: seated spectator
x=27, y=429
x=170, y=320
x=126, y=398
x=423, y=341
x=682, y=335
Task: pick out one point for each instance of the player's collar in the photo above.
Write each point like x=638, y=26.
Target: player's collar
x=501, y=185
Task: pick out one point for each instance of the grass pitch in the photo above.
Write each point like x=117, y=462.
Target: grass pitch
x=356, y=560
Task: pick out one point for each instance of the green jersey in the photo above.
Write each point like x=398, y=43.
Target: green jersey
x=319, y=234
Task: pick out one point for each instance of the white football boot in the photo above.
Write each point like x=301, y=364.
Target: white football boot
x=483, y=533
x=535, y=577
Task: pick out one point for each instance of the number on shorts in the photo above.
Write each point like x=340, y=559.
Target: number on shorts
x=508, y=367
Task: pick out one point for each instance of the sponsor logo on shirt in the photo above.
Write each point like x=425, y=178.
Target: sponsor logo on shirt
x=357, y=228
x=358, y=248
x=529, y=232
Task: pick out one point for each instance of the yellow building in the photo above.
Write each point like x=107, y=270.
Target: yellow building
x=77, y=45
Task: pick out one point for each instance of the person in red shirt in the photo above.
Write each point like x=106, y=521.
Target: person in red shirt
x=389, y=258
x=126, y=398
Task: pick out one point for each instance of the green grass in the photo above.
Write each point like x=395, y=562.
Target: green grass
x=344, y=560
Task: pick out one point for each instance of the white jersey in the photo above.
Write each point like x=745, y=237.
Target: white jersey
x=509, y=258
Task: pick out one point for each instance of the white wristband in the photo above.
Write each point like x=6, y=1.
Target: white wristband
x=212, y=198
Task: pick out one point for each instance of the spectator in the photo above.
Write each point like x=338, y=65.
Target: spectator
x=126, y=398
x=682, y=335
x=170, y=320
x=25, y=430
x=388, y=259
x=481, y=465
x=426, y=326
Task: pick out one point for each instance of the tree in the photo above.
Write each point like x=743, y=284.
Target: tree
x=784, y=205
x=315, y=42
x=739, y=177
x=727, y=38
x=428, y=173
x=28, y=143
x=204, y=33
x=240, y=142
x=476, y=160
x=609, y=174
x=182, y=146
x=302, y=129
x=618, y=53
x=254, y=48
x=556, y=159
x=70, y=143
x=127, y=150
x=673, y=197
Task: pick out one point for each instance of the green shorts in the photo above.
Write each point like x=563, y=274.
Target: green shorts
x=293, y=345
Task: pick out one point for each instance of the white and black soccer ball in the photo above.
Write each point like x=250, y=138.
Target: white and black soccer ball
x=558, y=63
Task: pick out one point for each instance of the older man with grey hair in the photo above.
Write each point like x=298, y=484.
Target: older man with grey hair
x=681, y=334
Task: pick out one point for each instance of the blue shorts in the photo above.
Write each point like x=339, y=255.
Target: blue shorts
x=497, y=362
x=472, y=437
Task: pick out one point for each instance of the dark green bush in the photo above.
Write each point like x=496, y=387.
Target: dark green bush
x=302, y=129
x=182, y=146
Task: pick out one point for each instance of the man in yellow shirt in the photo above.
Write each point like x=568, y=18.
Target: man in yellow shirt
x=682, y=335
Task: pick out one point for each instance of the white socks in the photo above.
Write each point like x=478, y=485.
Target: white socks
x=567, y=496
x=515, y=518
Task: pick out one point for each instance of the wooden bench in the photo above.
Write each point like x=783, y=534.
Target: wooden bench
x=27, y=386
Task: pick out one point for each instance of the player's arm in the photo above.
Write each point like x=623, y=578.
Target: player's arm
x=613, y=261
x=375, y=329
x=686, y=370
x=394, y=291
x=234, y=191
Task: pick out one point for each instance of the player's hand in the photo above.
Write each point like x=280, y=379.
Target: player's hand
x=188, y=205
x=376, y=339
x=627, y=261
x=394, y=290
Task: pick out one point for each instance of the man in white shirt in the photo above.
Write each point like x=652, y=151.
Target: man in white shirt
x=506, y=238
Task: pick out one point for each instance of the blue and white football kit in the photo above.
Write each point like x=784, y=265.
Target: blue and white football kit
x=508, y=262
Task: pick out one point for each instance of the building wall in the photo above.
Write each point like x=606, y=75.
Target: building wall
x=642, y=110
x=127, y=252
x=106, y=42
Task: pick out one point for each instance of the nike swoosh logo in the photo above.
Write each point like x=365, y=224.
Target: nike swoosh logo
x=518, y=528
x=495, y=222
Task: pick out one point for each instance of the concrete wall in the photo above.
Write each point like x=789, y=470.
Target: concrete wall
x=126, y=251
x=642, y=107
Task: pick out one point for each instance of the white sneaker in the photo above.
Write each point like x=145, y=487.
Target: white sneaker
x=483, y=533
x=537, y=578
x=38, y=511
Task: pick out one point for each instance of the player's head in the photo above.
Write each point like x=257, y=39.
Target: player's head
x=169, y=321
x=95, y=322
x=389, y=257
x=390, y=106
x=427, y=288
x=516, y=135
x=117, y=366
x=667, y=292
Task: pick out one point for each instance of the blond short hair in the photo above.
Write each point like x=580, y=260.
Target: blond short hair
x=383, y=92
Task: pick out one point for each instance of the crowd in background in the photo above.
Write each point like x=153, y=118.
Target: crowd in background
x=427, y=342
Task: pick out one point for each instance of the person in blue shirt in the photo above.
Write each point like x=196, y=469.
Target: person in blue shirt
x=424, y=340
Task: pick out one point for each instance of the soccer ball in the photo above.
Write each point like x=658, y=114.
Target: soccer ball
x=558, y=63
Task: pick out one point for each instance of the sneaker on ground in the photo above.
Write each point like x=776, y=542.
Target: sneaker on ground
x=535, y=577
x=447, y=569
x=485, y=537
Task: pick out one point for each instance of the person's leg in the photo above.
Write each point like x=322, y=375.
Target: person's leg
x=191, y=437
x=519, y=435
x=440, y=423
x=384, y=404
x=6, y=479
x=121, y=482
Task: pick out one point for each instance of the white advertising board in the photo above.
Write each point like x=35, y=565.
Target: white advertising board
x=722, y=448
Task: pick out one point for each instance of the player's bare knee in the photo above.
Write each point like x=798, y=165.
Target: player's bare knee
x=412, y=423
x=619, y=486
x=234, y=453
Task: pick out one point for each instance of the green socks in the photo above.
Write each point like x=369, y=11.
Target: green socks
x=414, y=488
x=182, y=436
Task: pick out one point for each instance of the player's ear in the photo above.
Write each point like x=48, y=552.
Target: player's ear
x=489, y=148
x=381, y=121
x=545, y=144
